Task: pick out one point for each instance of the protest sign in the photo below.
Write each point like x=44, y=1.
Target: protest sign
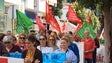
x=81, y=50
x=54, y=57
x=10, y=60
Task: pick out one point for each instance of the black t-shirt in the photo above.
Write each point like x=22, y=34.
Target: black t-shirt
x=15, y=48
x=3, y=51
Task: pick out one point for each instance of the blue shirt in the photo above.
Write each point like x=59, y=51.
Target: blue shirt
x=75, y=49
x=70, y=56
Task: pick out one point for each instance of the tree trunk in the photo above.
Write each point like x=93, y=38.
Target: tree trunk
x=107, y=29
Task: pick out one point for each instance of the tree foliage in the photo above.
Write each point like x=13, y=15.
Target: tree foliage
x=94, y=4
x=95, y=21
x=57, y=10
x=82, y=14
x=71, y=1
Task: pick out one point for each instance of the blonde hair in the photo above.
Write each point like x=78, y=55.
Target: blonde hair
x=53, y=37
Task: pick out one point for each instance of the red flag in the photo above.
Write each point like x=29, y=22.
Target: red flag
x=39, y=23
x=51, y=19
x=88, y=17
x=79, y=26
x=63, y=27
x=3, y=60
x=48, y=13
x=72, y=16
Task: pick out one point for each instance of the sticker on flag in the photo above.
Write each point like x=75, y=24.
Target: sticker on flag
x=10, y=60
x=54, y=58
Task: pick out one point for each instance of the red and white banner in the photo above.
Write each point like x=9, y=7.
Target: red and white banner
x=10, y=60
x=72, y=16
x=100, y=54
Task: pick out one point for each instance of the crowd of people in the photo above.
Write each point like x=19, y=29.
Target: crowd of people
x=31, y=46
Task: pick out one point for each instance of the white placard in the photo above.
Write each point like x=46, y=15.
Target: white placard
x=81, y=51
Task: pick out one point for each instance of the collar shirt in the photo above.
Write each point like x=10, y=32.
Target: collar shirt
x=70, y=56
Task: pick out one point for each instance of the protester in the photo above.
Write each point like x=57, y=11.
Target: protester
x=97, y=46
x=1, y=37
x=21, y=42
x=52, y=42
x=72, y=46
x=32, y=54
x=9, y=33
x=33, y=32
x=10, y=47
x=14, y=39
x=41, y=32
x=89, y=46
x=43, y=45
x=57, y=38
x=48, y=32
x=70, y=56
x=3, y=51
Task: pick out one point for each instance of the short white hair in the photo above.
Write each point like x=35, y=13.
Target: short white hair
x=7, y=39
x=86, y=31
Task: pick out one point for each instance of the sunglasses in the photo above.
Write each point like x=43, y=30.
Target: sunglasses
x=51, y=39
x=22, y=37
x=41, y=39
x=6, y=42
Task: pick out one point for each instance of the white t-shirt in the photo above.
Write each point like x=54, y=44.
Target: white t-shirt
x=46, y=49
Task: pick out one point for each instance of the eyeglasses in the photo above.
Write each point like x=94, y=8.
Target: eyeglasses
x=41, y=39
x=22, y=37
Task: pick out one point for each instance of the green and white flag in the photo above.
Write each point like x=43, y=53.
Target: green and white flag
x=85, y=26
x=23, y=23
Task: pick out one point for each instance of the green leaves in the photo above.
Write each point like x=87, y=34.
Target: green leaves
x=57, y=10
x=95, y=21
x=82, y=14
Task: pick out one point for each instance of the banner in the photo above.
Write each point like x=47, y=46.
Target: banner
x=10, y=60
x=80, y=32
x=100, y=54
x=54, y=57
x=15, y=55
x=81, y=49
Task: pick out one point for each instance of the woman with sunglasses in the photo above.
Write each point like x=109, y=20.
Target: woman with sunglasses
x=12, y=49
x=52, y=42
x=3, y=51
x=21, y=42
x=43, y=45
x=32, y=54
